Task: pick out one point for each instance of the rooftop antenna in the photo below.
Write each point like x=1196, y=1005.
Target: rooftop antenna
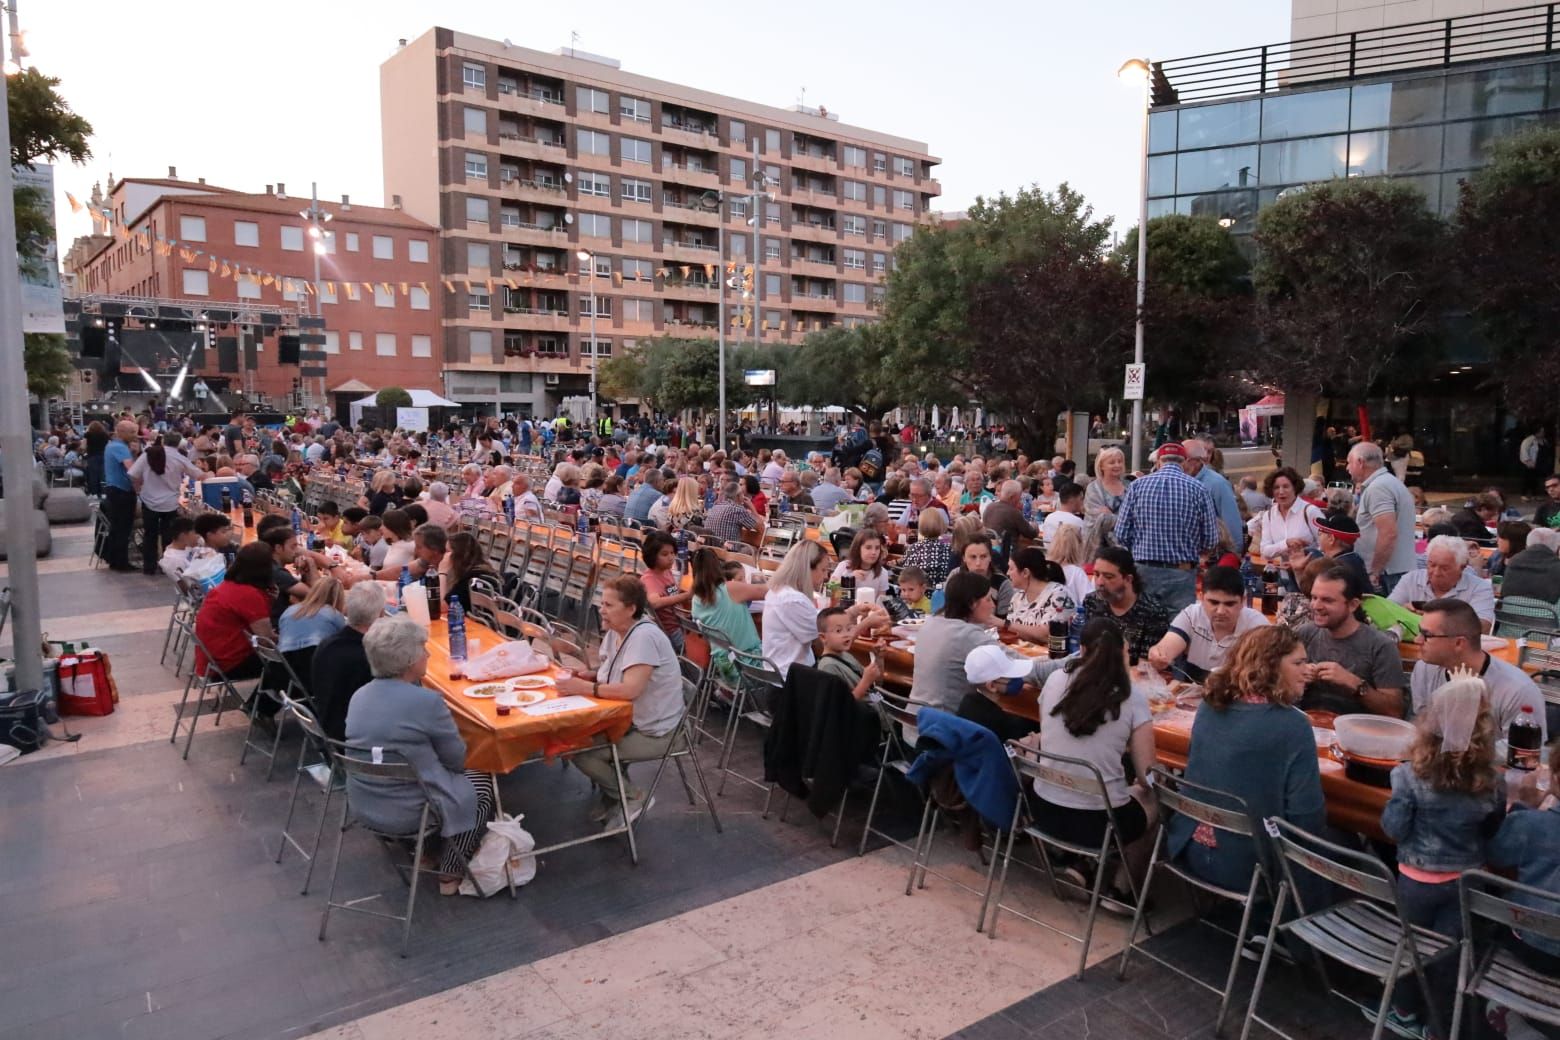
x=574, y=38
x=801, y=101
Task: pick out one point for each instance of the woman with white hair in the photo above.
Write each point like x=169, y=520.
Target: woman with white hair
x=475, y=489
x=396, y=713
x=437, y=506
x=1109, y=488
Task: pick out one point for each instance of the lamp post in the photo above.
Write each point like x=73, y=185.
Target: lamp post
x=586, y=256
x=317, y=218
x=1136, y=71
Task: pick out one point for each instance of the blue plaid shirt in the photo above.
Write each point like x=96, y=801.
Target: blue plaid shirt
x=1168, y=517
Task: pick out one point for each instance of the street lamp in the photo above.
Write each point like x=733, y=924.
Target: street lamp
x=317, y=219
x=587, y=257
x=1136, y=72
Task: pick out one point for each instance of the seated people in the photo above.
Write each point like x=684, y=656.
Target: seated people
x=945, y=641
x=791, y=615
x=1119, y=596
x=340, y=667
x=975, y=558
x=463, y=562
x=1446, y=576
x=1354, y=668
x=930, y=552
x=1528, y=843
x=1534, y=572
x=397, y=713
x=720, y=605
x=1336, y=534
x=1448, y=642
x=184, y=548
x=1068, y=512
x=1040, y=597
x=235, y=610
x=1201, y=635
x=836, y=631
x=864, y=562
x=315, y=618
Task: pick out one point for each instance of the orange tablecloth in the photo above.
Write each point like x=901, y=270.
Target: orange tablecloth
x=499, y=743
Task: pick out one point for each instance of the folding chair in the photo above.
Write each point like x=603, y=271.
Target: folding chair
x=894, y=713
x=682, y=746
x=360, y=763
x=1083, y=778
x=1367, y=933
x=1497, y=974
x=313, y=738
x=758, y=684
x=279, y=683
x=1519, y=615
x=96, y=559
x=580, y=584
x=1226, y=814
x=201, y=681
x=187, y=598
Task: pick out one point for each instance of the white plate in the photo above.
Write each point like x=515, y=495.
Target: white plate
x=521, y=698
x=904, y=645
x=485, y=690
x=531, y=682
x=1493, y=643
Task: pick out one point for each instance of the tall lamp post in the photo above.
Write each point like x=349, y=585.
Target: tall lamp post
x=1137, y=72
x=586, y=256
x=317, y=219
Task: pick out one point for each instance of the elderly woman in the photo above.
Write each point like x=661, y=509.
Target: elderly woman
x=1109, y=488
x=641, y=667
x=397, y=713
x=1446, y=575
x=930, y=552
x=475, y=489
x=382, y=494
x=1289, y=523
x=438, y=506
x=1069, y=550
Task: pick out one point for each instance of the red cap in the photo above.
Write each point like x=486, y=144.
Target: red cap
x=1170, y=450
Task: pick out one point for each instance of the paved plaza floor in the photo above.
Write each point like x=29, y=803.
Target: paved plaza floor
x=139, y=898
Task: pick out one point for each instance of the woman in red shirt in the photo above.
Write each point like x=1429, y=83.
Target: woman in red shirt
x=235, y=610
x=662, y=584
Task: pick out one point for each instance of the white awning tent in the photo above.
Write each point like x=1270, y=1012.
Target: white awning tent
x=414, y=417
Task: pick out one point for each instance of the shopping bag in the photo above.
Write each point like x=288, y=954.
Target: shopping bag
x=505, y=660
x=506, y=843
x=86, y=684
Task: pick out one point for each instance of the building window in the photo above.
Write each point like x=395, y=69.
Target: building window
x=480, y=343
x=738, y=132
x=771, y=141
x=632, y=149
x=738, y=245
x=878, y=263
x=1219, y=168
x=196, y=283
x=855, y=191
x=600, y=348
x=248, y=288
x=417, y=251
x=588, y=99
x=771, y=249
x=856, y=259
x=478, y=300
x=327, y=292
x=595, y=225
x=855, y=292
x=904, y=200
x=352, y=239
x=419, y=298
x=192, y=229
x=292, y=289
x=739, y=169
x=1211, y=125
x=739, y=208
x=332, y=343
x=855, y=225
x=292, y=238
x=635, y=190
x=478, y=255
x=246, y=233
x=384, y=296
x=879, y=229
x=384, y=247
x=640, y=270
x=603, y=306
x=476, y=166
x=384, y=344
x=903, y=167
x=591, y=142
x=475, y=120
x=637, y=109
x=771, y=285
x=855, y=157
x=476, y=213
x=1307, y=112
x=638, y=310
x=473, y=77
x=354, y=341
x=638, y=231
x=901, y=232
x=598, y=184
x=422, y=346
x=879, y=162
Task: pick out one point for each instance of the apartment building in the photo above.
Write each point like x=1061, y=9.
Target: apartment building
x=525, y=160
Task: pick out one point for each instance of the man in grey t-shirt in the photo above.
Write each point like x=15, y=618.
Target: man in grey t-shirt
x=1385, y=515
x=1354, y=669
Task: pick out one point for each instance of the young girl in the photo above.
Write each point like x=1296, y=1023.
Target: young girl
x=1447, y=801
x=864, y=559
x=461, y=563
x=662, y=586
x=320, y=615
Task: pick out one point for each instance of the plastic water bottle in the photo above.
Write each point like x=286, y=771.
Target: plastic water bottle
x=709, y=499
x=785, y=503
x=584, y=529
x=297, y=521
x=457, y=624
x=682, y=552
x=1074, y=632
x=402, y=582
x=509, y=509
x=1252, y=581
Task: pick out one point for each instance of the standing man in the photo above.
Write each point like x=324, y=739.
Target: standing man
x=1168, y=522
x=1386, y=518
x=1528, y=454
x=1199, y=452
x=121, y=495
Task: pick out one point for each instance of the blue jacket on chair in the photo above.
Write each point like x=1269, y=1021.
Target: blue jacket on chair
x=980, y=763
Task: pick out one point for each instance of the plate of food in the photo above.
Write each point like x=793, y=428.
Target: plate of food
x=486, y=690
x=531, y=682
x=521, y=698
x=903, y=645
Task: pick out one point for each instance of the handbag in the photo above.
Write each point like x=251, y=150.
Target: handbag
x=87, y=684
x=21, y=720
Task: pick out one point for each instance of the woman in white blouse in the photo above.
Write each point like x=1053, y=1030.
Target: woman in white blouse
x=1040, y=597
x=1288, y=523
x=791, y=615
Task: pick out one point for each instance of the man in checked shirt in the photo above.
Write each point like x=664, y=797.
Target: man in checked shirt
x=1168, y=523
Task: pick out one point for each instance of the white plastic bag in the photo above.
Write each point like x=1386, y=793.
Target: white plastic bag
x=207, y=572
x=505, y=843
x=506, y=660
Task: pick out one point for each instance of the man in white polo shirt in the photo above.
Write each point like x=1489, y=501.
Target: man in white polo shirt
x=1446, y=576
x=1205, y=631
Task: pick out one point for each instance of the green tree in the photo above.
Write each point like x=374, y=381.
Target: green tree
x=842, y=366
x=1508, y=249
x=393, y=397
x=48, y=364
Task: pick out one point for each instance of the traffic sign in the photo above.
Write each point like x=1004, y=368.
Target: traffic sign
x=1134, y=386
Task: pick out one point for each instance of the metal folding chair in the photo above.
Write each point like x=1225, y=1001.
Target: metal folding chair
x=278, y=683
x=1367, y=933
x=202, y=681
x=187, y=598
x=1226, y=814
x=1491, y=907
x=894, y=713
x=758, y=684
x=1517, y=615
x=682, y=747
x=313, y=738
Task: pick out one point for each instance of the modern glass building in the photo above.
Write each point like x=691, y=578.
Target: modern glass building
x=1229, y=133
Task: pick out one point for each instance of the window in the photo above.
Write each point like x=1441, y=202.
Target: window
x=903, y=167
x=248, y=288
x=196, y=283
x=878, y=263
x=600, y=348
x=771, y=249
x=738, y=132
x=384, y=296
x=422, y=346
x=772, y=173
x=855, y=292
x=771, y=285
x=739, y=209
x=292, y=239
x=856, y=157
x=354, y=341
x=1219, y=168
x=384, y=247
x=473, y=77
x=384, y=344
x=419, y=298
x=879, y=162
x=637, y=109
x=591, y=142
x=476, y=166
x=352, y=239
x=638, y=310
x=856, y=191
x=292, y=289
x=192, y=229
x=879, y=229
x=598, y=184
x=772, y=319
x=588, y=99
x=901, y=232
x=772, y=211
x=632, y=149
x=635, y=190
x=739, y=169
x=332, y=343
x=476, y=213
x=1161, y=131
x=1161, y=174
x=474, y=120
x=480, y=343
x=246, y=233
x=1309, y=112
x=855, y=225
x=595, y=225
x=327, y=292
x=642, y=270
x=478, y=254
x=479, y=300
x=771, y=140
x=738, y=244
x=603, y=306
x=879, y=195
x=638, y=231
x=417, y=251
x=1207, y=126
x=856, y=259
x=904, y=200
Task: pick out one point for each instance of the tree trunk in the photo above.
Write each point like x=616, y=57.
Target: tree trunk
x=1299, y=429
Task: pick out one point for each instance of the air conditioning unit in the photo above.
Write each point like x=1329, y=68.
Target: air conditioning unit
x=552, y=379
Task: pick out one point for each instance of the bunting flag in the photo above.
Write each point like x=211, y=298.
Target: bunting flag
x=329, y=287
x=423, y=286
x=75, y=207
x=449, y=285
x=490, y=286
x=685, y=270
x=617, y=278
x=663, y=271
x=747, y=271
x=227, y=272
x=709, y=270
x=212, y=267
x=731, y=267
x=404, y=290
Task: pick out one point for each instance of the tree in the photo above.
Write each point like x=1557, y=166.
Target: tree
x=842, y=366
x=48, y=364
x=1197, y=312
x=393, y=397
x=1508, y=248
x=1349, y=282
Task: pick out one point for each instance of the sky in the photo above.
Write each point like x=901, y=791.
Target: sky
x=1006, y=93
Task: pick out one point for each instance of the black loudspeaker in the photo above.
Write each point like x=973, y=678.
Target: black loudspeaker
x=112, y=359
x=227, y=354
x=93, y=339
x=287, y=350
x=251, y=354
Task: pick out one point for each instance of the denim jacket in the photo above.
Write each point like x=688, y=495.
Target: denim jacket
x=1439, y=830
x=1529, y=842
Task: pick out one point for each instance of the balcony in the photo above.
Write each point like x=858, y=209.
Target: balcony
x=816, y=163
x=535, y=234
x=814, y=268
x=814, y=301
x=688, y=213
x=534, y=319
x=930, y=186
x=533, y=102
x=689, y=252
x=686, y=326
x=812, y=197
x=529, y=274
x=814, y=231
x=545, y=149
x=548, y=192
x=677, y=288
x=699, y=177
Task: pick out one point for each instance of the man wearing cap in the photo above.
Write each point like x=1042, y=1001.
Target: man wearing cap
x=1168, y=522
x=1336, y=534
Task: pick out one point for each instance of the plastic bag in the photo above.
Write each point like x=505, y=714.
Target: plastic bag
x=207, y=572
x=506, y=660
x=506, y=843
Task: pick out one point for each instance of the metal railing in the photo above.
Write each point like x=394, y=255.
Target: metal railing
x=1345, y=56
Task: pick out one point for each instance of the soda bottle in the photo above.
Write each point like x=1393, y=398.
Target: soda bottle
x=1524, y=740
x=249, y=510
x=1056, y=643
x=431, y=588
x=457, y=639
x=227, y=502
x=1270, y=589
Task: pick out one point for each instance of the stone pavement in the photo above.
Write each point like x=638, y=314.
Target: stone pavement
x=139, y=897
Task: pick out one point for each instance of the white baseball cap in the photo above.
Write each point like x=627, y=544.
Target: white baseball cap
x=989, y=663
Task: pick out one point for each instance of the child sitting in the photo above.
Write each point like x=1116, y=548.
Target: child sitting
x=914, y=599
x=838, y=631
x=1529, y=843
x=184, y=548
